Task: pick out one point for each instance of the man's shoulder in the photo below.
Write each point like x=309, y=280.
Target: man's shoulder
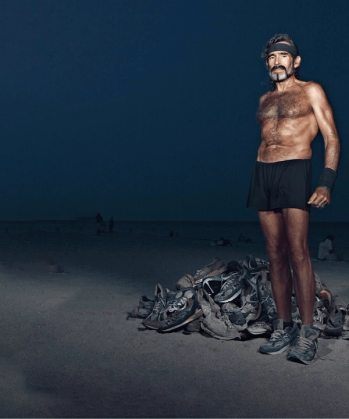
x=313, y=88
x=262, y=98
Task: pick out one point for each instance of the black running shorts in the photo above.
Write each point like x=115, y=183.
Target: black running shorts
x=282, y=184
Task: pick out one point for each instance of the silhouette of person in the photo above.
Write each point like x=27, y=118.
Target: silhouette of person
x=111, y=225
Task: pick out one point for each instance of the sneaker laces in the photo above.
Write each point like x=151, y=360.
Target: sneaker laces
x=304, y=343
x=227, y=321
x=277, y=334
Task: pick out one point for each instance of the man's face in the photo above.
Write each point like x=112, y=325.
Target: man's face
x=280, y=65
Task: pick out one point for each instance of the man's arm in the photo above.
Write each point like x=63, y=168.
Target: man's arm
x=324, y=117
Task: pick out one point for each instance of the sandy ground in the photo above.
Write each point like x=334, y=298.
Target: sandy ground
x=68, y=350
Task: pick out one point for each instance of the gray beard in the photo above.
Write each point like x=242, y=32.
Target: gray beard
x=281, y=76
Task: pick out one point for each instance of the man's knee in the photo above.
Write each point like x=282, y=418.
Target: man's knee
x=299, y=254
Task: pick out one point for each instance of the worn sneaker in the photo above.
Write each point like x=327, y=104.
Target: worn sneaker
x=158, y=315
x=216, y=267
x=281, y=339
x=306, y=346
x=181, y=308
x=260, y=327
x=219, y=327
x=319, y=284
x=186, y=281
x=320, y=314
x=266, y=296
x=345, y=333
x=145, y=307
x=213, y=284
x=336, y=318
x=230, y=289
x=215, y=323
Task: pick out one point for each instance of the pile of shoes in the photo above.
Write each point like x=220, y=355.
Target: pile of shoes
x=234, y=301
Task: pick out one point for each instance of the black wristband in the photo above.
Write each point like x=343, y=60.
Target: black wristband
x=328, y=178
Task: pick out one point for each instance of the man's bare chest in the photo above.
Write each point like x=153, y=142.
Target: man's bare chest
x=279, y=106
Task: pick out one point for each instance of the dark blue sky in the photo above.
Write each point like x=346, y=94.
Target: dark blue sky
x=145, y=110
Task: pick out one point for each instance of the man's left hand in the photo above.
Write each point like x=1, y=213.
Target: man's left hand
x=320, y=197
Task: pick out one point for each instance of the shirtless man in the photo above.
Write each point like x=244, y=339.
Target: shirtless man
x=290, y=116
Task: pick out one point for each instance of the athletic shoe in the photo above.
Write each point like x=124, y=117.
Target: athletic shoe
x=216, y=267
x=145, y=307
x=260, y=326
x=235, y=315
x=230, y=289
x=250, y=262
x=219, y=327
x=320, y=314
x=250, y=305
x=234, y=266
x=194, y=326
x=319, y=284
x=158, y=315
x=306, y=346
x=281, y=339
x=345, y=333
x=266, y=296
x=335, y=322
x=212, y=284
x=186, y=281
x=327, y=298
x=181, y=308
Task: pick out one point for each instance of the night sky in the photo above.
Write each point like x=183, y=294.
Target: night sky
x=146, y=109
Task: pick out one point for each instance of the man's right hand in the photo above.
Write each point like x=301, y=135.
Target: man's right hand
x=320, y=197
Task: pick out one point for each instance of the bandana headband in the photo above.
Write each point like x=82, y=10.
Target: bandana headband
x=283, y=47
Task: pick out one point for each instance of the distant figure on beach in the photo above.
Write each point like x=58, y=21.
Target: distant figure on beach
x=99, y=218
x=327, y=251
x=100, y=222
x=111, y=225
x=291, y=114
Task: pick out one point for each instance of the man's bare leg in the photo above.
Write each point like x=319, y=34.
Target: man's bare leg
x=296, y=225
x=273, y=227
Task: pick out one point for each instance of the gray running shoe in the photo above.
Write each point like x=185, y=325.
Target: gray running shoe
x=195, y=325
x=182, y=308
x=327, y=298
x=145, y=307
x=230, y=289
x=235, y=316
x=345, y=333
x=260, y=327
x=251, y=307
x=215, y=323
x=216, y=267
x=306, y=346
x=213, y=284
x=219, y=327
x=319, y=284
x=320, y=314
x=266, y=296
x=158, y=316
x=281, y=339
x=186, y=281
x=335, y=322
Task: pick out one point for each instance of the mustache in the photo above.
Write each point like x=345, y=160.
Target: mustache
x=278, y=66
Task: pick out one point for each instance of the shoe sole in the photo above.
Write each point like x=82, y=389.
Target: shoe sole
x=294, y=358
x=188, y=320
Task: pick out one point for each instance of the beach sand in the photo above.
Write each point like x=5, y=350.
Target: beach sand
x=67, y=348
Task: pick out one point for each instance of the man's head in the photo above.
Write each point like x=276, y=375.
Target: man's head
x=282, y=58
